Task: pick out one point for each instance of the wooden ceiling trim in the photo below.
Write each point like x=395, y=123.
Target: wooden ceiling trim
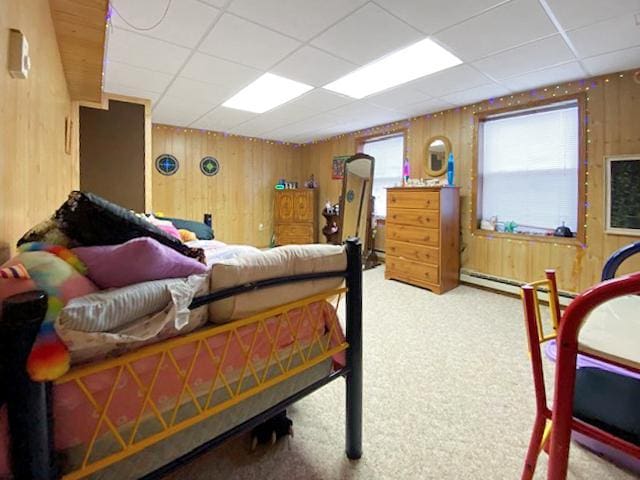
x=81, y=32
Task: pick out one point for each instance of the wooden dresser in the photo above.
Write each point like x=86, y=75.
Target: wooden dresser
x=423, y=237
x=296, y=216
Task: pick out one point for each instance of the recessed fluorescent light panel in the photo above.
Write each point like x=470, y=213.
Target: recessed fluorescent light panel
x=415, y=61
x=265, y=93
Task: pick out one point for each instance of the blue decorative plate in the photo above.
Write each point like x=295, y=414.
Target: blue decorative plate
x=209, y=166
x=167, y=164
x=351, y=196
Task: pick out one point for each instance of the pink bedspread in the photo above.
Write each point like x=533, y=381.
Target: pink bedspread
x=75, y=418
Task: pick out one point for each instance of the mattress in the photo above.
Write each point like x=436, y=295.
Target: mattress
x=76, y=419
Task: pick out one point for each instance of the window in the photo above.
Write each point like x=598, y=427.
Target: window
x=529, y=169
x=389, y=157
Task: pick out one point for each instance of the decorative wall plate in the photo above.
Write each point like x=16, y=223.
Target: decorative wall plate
x=209, y=166
x=351, y=196
x=167, y=164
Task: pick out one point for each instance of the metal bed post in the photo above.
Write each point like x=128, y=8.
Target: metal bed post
x=28, y=402
x=354, y=352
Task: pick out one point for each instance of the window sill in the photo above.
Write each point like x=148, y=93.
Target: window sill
x=529, y=238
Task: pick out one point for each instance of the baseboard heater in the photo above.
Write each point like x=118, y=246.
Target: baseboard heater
x=506, y=285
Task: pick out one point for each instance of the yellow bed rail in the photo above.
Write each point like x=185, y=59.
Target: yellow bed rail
x=298, y=358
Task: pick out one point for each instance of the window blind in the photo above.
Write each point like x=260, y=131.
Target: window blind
x=389, y=156
x=529, y=168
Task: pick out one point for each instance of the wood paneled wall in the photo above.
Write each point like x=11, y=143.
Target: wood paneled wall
x=613, y=111
x=37, y=174
x=240, y=196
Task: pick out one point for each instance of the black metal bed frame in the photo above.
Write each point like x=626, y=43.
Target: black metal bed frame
x=30, y=403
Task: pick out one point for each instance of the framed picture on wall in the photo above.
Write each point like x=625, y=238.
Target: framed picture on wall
x=337, y=170
x=622, y=194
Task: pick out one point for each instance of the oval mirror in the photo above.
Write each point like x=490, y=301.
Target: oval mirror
x=438, y=149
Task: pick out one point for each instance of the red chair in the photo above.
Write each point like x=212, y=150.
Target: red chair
x=558, y=422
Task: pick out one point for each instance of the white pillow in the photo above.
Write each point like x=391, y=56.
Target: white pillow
x=109, y=309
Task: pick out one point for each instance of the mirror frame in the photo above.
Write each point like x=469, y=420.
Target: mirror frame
x=367, y=246
x=447, y=149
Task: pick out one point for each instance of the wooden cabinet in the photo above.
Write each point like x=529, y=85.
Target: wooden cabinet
x=422, y=245
x=296, y=216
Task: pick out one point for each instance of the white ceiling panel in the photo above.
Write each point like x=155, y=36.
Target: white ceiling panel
x=427, y=106
x=398, y=97
x=133, y=49
x=319, y=100
x=313, y=67
x=613, y=62
x=561, y=73
x=217, y=71
x=433, y=15
x=117, y=88
x=450, y=81
x=302, y=19
x=135, y=77
x=217, y=3
x=178, y=111
x=245, y=42
x=194, y=91
x=606, y=36
x=185, y=23
x=361, y=111
x=367, y=35
x=506, y=26
x=223, y=119
x=578, y=13
x=476, y=94
x=276, y=118
x=527, y=58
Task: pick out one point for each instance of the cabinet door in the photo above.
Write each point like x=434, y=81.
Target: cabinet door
x=303, y=206
x=284, y=206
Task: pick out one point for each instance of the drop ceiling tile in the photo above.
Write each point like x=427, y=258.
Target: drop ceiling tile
x=476, y=94
x=194, y=91
x=313, y=67
x=117, y=88
x=241, y=41
x=217, y=71
x=319, y=100
x=450, y=81
x=177, y=111
x=606, y=36
x=137, y=78
x=223, y=119
x=367, y=35
x=276, y=118
x=362, y=113
x=425, y=107
x=613, y=62
x=185, y=23
x=560, y=73
x=144, y=52
x=578, y=13
x=248, y=130
x=217, y=3
x=398, y=98
x=433, y=15
x=302, y=19
x=506, y=26
x=527, y=58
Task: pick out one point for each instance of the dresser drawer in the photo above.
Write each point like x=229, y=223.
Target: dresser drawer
x=294, y=234
x=417, y=271
x=411, y=216
x=419, y=235
x=418, y=253
x=413, y=199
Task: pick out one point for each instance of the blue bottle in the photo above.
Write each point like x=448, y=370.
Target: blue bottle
x=450, y=169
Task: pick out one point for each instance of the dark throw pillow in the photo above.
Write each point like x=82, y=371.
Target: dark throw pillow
x=89, y=220
x=202, y=230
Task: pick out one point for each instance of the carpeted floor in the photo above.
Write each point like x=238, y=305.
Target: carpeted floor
x=448, y=395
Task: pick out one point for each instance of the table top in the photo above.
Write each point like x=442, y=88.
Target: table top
x=612, y=331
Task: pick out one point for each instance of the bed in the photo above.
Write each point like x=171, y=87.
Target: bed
x=144, y=411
